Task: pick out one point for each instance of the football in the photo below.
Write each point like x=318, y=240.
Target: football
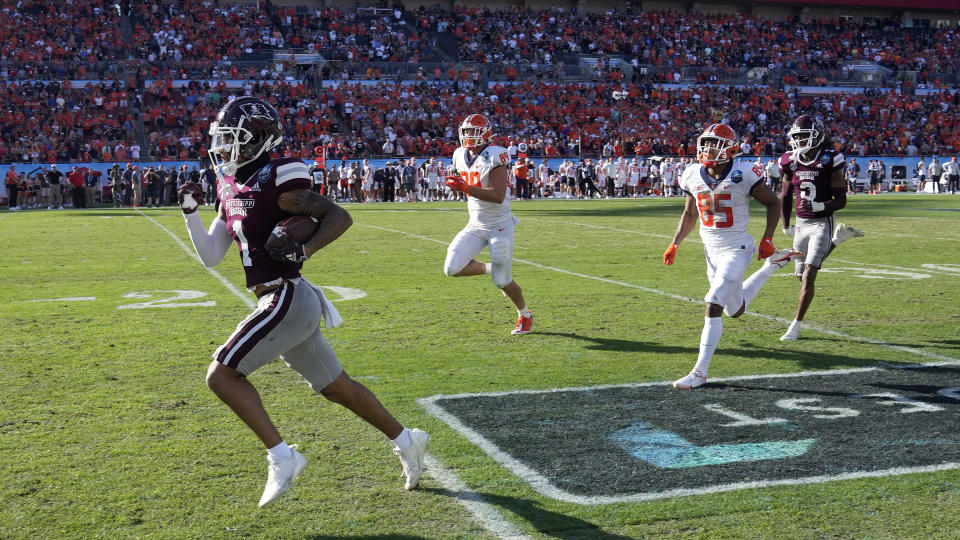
x=298, y=228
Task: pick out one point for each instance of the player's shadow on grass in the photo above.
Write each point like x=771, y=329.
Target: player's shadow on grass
x=623, y=345
x=948, y=343
x=930, y=393
x=546, y=522
x=819, y=360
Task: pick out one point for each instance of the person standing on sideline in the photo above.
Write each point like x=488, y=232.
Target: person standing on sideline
x=921, y=176
x=521, y=184
x=91, y=180
x=481, y=174
x=44, y=189
x=76, y=191
x=813, y=177
x=116, y=184
x=154, y=178
x=953, y=175
x=55, y=178
x=719, y=191
x=773, y=174
x=934, y=171
x=366, y=186
x=410, y=179
x=13, y=189
x=256, y=193
x=852, y=173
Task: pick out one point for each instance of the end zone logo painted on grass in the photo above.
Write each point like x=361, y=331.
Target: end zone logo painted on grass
x=634, y=442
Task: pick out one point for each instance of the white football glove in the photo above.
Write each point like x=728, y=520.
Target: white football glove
x=190, y=196
x=789, y=230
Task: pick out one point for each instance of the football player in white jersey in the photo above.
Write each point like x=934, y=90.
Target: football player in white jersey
x=481, y=174
x=634, y=179
x=718, y=192
x=433, y=179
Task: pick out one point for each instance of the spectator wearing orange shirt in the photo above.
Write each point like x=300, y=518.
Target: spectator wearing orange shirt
x=521, y=173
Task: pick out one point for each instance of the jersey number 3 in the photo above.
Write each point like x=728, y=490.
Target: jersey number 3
x=709, y=206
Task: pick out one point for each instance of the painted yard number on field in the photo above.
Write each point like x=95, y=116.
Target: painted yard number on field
x=177, y=300
x=667, y=450
x=174, y=298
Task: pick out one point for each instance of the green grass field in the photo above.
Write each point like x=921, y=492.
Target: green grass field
x=108, y=431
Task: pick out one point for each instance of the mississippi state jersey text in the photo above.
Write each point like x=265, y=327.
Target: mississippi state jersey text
x=252, y=212
x=810, y=182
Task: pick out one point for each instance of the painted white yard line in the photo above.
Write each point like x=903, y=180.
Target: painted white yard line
x=785, y=322
x=5, y=216
x=488, y=517
x=543, y=485
x=486, y=514
x=921, y=269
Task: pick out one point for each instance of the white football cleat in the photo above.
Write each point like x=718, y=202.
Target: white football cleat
x=792, y=334
x=781, y=257
x=411, y=459
x=844, y=232
x=282, y=474
x=694, y=379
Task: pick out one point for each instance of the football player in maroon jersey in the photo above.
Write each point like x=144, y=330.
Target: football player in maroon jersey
x=256, y=193
x=813, y=185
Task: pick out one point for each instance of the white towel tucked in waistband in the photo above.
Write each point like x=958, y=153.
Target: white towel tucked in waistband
x=331, y=317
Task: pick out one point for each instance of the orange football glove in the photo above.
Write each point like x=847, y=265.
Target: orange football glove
x=670, y=254
x=457, y=183
x=766, y=248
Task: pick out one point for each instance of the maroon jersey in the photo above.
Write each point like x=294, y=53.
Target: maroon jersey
x=810, y=182
x=252, y=212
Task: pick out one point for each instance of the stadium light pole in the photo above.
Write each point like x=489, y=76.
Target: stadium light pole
x=619, y=96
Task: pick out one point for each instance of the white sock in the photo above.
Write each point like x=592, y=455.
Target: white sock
x=487, y=268
x=280, y=451
x=525, y=312
x=756, y=280
x=403, y=440
x=794, y=326
x=712, y=329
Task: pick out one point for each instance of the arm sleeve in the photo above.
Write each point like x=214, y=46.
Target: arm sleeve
x=786, y=202
x=211, y=245
x=838, y=201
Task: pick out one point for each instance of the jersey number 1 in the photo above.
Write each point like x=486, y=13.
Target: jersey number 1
x=244, y=245
x=709, y=206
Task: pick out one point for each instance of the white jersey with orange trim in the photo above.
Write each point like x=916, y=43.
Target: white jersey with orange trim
x=476, y=172
x=723, y=205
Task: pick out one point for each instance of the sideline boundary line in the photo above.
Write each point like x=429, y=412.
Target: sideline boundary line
x=785, y=322
x=542, y=484
x=486, y=515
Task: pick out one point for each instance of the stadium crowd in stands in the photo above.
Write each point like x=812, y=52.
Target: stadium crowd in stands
x=47, y=44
